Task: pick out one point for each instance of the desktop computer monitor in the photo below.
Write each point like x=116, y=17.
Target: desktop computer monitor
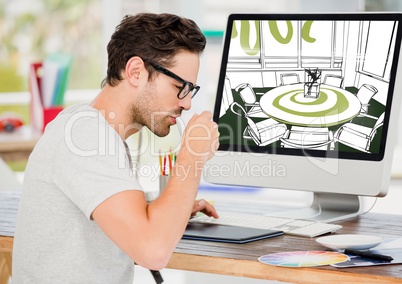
x=309, y=102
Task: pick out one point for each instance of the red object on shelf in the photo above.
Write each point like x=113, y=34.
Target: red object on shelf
x=49, y=114
x=9, y=122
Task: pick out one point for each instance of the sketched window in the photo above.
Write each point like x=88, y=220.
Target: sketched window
x=280, y=44
x=316, y=43
x=338, y=44
x=245, y=46
x=377, y=48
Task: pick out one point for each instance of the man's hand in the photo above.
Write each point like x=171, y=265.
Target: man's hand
x=201, y=137
x=204, y=207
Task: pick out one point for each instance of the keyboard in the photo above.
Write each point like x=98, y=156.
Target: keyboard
x=295, y=227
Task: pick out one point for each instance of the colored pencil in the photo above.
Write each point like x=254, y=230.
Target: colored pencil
x=160, y=163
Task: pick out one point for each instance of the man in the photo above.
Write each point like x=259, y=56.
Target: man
x=83, y=217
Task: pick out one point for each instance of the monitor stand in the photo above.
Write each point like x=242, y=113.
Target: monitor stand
x=327, y=207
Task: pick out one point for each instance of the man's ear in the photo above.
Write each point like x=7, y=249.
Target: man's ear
x=134, y=68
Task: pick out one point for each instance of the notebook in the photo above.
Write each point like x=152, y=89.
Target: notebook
x=227, y=234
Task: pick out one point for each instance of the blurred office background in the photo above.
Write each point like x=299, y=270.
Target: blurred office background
x=32, y=29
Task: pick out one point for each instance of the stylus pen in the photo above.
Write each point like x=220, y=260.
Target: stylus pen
x=157, y=276
x=369, y=254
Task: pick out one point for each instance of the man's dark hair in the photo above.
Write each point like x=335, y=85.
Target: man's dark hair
x=153, y=37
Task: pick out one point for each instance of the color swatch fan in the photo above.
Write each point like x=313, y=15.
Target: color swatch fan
x=303, y=258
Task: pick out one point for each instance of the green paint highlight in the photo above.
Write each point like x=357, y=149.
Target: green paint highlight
x=341, y=105
x=321, y=99
x=306, y=32
x=245, y=38
x=273, y=26
x=234, y=31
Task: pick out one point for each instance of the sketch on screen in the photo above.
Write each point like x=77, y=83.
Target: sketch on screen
x=320, y=85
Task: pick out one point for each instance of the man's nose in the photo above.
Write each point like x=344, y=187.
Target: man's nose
x=186, y=102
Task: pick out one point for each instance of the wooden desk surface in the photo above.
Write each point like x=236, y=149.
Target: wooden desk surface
x=241, y=260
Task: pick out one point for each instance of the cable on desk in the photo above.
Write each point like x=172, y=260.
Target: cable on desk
x=157, y=276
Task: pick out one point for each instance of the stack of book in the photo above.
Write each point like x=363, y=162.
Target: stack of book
x=48, y=83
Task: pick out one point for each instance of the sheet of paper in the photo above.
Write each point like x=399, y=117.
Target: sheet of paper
x=9, y=202
x=356, y=261
x=391, y=247
x=389, y=244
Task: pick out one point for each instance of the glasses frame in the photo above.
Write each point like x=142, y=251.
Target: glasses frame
x=193, y=89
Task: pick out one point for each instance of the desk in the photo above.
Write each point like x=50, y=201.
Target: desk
x=241, y=260
x=18, y=145
x=287, y=104
x=6, y=248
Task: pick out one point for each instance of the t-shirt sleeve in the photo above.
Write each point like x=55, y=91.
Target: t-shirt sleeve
x=91, y=165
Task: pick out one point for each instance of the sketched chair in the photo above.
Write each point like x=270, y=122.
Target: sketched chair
x=250, y=102
x=365, y=93
x=290, y=78
x=358, y=136
x=307, y=138
x=264, y=132
x=333, y=80
x=227, y=97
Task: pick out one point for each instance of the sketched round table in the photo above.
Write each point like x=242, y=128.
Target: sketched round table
x=288, y=104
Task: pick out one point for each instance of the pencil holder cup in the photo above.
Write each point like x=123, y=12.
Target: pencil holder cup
x=163, y=180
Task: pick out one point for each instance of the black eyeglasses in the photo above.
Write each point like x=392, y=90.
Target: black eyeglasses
x=187, y=87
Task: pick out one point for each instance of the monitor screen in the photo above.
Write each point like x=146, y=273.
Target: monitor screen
x=307, y=100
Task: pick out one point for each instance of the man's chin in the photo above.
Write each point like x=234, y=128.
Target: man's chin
x=161, y=132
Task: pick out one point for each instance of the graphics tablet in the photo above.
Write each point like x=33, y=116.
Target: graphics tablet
x=227, y=234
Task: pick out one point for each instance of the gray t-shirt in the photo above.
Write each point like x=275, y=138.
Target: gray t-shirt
x=78, y=163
